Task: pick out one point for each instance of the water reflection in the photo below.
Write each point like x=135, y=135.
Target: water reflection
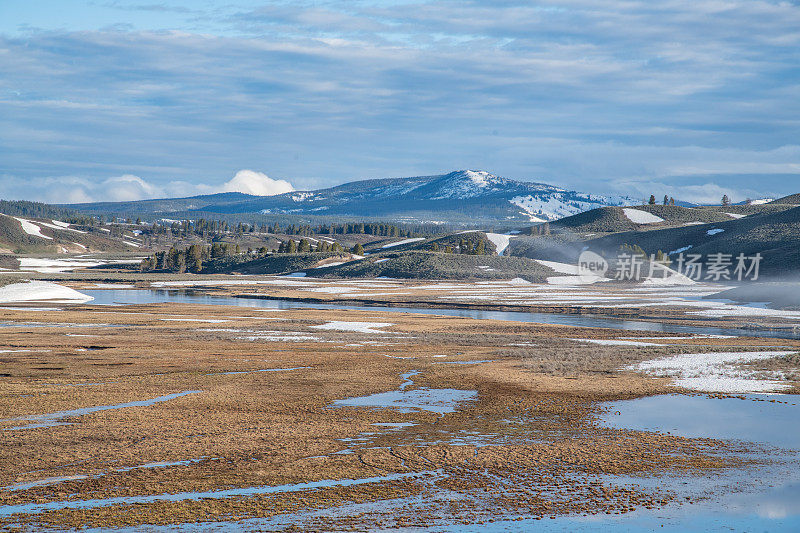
x=154, y=296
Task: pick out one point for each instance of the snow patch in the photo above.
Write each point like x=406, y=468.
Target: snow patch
x=561, y=268
x=359, y=327
x=713, y=372
x=406, y=241
x=500, y=241
x=714, y=231
x=616, y=342
x=34, y=291
x=641, y=217
x=680, y=250
x=31, y=229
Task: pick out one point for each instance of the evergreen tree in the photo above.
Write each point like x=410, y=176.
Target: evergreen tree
x=652, y=200
x=358, y=249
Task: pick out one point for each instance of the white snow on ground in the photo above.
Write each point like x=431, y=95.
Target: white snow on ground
x=210, y=320
x=573, y=278
x=714, y=231
x=616, y=342
x=641, y=217
x=213, y=282
x=694, y=223
x=132, y=244
x=406, y=241
x=500, y=241
x=44, y=265
x=58, y=225
x=762, y=201
x=33, y=264
x=280, y=336
x=31, y=229
x=680, y=250
x=335, y=263
x=674, y=279
x=735, y=215
x=333, y=290
x=562, y=268
x=713, y=372
x=739, y=310
x=381, y=260
x=34, y=291
x=360, y=327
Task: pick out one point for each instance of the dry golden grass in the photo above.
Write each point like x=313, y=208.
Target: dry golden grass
x=272, y=428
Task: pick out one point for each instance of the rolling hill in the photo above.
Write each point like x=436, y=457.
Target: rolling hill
x=775, y=235
x=19, y=235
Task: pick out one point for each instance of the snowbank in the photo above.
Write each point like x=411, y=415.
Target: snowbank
x=641, y=217
x=360, y=327
x=500, y=241
x=714, y=372
x=405, y=241
x=31, y=229
x=34, y=291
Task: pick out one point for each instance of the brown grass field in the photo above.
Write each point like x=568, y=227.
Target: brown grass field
x=527, y=445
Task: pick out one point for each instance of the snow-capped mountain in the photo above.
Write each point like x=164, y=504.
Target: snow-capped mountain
x=457, y=197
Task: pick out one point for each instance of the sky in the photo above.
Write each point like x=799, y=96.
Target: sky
x=127, y=99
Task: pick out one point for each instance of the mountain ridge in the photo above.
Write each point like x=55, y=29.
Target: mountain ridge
x=460, y=195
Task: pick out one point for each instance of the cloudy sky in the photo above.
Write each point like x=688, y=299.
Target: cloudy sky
x=123, y=99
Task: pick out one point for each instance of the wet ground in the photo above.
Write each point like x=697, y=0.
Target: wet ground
x=271, y=415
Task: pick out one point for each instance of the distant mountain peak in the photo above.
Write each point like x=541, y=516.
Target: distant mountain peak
x=460, y=196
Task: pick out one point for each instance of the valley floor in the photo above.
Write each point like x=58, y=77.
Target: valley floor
x=245, y=415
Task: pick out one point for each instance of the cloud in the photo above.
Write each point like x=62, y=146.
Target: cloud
x=251, y=182
x=128, y=187
x=579, y=93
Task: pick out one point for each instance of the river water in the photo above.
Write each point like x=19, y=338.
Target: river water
x=152, y=296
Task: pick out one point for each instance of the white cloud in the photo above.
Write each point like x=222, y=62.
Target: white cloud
x=257, y=183
x=128, y=188
x=705, y=193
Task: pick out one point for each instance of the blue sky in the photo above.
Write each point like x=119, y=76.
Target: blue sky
x=133, y=99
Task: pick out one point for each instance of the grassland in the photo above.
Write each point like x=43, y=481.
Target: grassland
x=259, y=412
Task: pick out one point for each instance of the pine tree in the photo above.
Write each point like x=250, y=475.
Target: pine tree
x=652, y=200
x=666, y=200
x=358, y=249
x=726, y=201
